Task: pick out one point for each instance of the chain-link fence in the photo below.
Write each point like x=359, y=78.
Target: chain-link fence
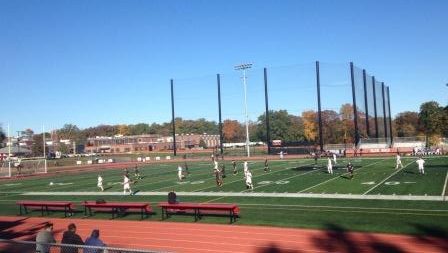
x=18, y=246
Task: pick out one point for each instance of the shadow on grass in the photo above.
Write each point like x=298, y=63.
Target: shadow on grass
x=338, y=239
x=307, y=168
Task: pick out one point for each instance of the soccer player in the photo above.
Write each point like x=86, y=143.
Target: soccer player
x=218, y=177
x=223, y=170
x=421, y=163
x=100, y=182
x=137, y=173
x=127, y=184
x=281, y=154
x=235, y=171
x=266, y=165
x=245, y=168
x=334, y=158
x=215, y=166
x=398, y=158
x=249, y=184
x=329, y=166
x=179, y=173
x=350, y=169
x=186, y=168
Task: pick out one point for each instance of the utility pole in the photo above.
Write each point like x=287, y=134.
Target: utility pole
x=243, y=68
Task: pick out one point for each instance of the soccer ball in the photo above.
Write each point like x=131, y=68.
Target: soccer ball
x=51, y=183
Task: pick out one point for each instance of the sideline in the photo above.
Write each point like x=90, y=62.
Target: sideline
x=248, y=194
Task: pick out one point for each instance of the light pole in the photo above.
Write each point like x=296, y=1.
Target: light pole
x=243, y=68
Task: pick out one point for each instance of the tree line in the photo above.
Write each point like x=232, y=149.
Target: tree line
x=338, y=127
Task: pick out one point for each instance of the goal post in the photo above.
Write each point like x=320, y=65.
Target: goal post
x=5, y=169
x=22, y=167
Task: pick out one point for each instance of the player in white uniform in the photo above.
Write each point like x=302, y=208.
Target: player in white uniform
x=215, y=166
x=334, y=159
x=421, y=168
x=100, y=182
x=245, y=168
x=249, y=184
x=329, y=166
x=127, y=185
x=179, y=173
x=281, y=154
x=398, y=163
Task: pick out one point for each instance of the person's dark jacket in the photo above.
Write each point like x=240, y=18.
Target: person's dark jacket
x=70, y=237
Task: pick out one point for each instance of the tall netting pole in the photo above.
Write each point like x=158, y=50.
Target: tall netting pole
x=9, y=152
x=377, y=135
x=319, y=110
x=364, y=79
x=173, y=118
x=221, y=139
x=266, y=102
x=390, y=116
x=44, y=148
x=355, y=111
x=384, y=110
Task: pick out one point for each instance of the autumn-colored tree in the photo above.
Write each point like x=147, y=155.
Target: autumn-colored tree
x=233, y=131
x=310, y=125
x=346, y=114
x=123, y=130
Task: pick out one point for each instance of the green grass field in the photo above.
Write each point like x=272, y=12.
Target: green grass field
x=371, y=201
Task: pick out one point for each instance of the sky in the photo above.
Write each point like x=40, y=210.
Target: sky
x=91, y=62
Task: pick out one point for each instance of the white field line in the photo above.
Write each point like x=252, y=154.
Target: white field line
x=212, y=200
x=247, y=194
x=259, y=175
x=444, y=186
x=334, y=178
x=359, y=211
x=384, y=180
x=174, y=178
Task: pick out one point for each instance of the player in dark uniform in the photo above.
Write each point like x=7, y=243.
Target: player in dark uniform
x=218, y=177
x=266, y=165
x=223, y=170
x=235, y=171
x=137, y=173
x=350, y=169
x=315, y=158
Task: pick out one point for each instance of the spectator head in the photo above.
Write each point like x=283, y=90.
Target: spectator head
x=72, y=227
x=95, y=233
x=48, y=226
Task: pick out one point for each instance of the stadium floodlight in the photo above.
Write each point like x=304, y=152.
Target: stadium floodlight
x=243, y=68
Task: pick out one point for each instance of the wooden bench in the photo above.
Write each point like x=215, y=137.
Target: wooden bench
x=46, y=206
x=199, y=209
x=117, y=208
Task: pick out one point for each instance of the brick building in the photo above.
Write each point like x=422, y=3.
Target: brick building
x=148, y=143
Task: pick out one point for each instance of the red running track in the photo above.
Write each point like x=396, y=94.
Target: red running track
x=194, y=237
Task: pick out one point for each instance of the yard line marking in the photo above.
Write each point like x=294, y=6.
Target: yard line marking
x=260, y=175
x=264, y=185
x=391, y=175
x=334, y=178
x=444, y=186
